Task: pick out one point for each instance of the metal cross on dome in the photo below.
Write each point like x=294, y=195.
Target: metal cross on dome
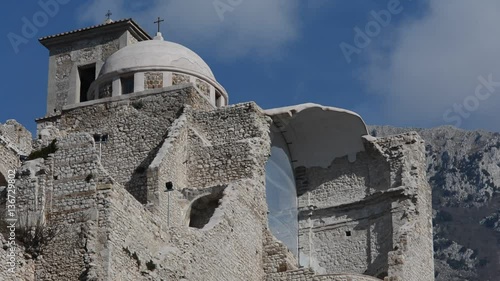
x=159, y=21
x=109, y=14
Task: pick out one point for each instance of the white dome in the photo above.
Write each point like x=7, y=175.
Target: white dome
x=156, y=54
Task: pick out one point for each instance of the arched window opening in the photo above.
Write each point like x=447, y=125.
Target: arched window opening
x=203, y=208
x=281, y=194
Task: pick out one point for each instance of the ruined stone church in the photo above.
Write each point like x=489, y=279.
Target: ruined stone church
x=142, y=170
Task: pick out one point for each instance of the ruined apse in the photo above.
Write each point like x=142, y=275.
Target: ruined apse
x=149, y=173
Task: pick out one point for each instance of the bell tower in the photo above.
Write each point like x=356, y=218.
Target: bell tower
x=76, y=57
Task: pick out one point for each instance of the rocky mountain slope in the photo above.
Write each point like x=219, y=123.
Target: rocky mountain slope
x=463, y=168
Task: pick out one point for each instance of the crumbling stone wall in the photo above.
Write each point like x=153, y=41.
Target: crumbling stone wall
x=231, y=124
x=226, y=248
x=60, y=193
x=277, y=258
x=170, y=165
x=15, y=136
x=201, y=159
x=344, y=220
x=230, y=136
x=119, y=236
x=352, y=216
x=25, y=269
x=412, y=257
x=136, y=125
x=15, y=140
x=9, y=159
x=368, y=217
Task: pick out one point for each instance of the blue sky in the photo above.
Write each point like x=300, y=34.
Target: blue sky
x=412, y=63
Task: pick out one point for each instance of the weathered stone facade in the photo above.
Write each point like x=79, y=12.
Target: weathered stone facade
x=351, y=214
x=204, y=87
x=88, y=47
x=153, y=80
x=178, y=79
x=15, y=141
x=162, y=184
x=106, y=90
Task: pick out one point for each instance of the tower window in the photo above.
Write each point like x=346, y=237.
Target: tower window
x=87, y=76
x=127, y=85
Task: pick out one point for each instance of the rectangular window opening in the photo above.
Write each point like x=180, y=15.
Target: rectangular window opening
x=87, y=76
x=127, y=85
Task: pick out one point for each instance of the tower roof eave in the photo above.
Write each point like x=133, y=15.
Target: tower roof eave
x=128, y=24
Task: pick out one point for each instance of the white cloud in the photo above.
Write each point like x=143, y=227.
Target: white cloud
x=251, y=27
x=435, y=63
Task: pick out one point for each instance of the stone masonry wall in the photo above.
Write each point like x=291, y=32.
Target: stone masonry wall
x=105, y=90
x=170, y=165
x=25, y=268
x=229, y=247
x=199, y=165
x=134, y=237
x=153, y=80
x=136, y=127
x=308, y=275
x=412, y=257
x=230, y=124
x=61, y=193
x=353, y=215
x=277, y=258
x=63, y=60
x=228, y=137
x=344, y=220
x=16, y=136
x=15, y=140
x=9, y=159
x=112, y=236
